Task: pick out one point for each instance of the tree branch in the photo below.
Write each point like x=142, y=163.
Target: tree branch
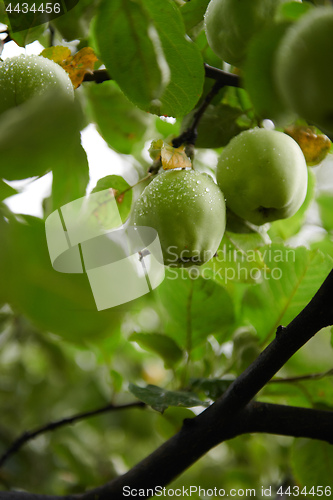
x=232, y=414
x=223, y=77
x=189, y=135
x=300, y=378
x=217, y=423
x=287, y=421
x=256, y=417
x=51, y=426
x=97, y=76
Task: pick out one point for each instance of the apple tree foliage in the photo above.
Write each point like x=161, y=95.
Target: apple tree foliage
x=176, y=373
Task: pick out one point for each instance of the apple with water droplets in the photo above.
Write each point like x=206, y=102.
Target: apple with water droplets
x=263, y=175
x=187, y=209
x=40, y=119
x=25, y=77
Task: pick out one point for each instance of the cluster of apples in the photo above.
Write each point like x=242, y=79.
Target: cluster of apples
x=300, y=69
x=261, y=177
x=261, y=173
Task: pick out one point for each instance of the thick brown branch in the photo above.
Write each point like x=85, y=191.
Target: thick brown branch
x=256, y=417
x=218, y=422
x=288, y=421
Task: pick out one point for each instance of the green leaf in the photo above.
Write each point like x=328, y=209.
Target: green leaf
x=325, y=203
x=145, y=42
x=167, y=129
x=160, y=399
x=76, y=23
x=196, y=307
x=292, y=278
x=312, y=463
x=325, y=245
x=162, y=345
x=172, y=421
x=193, y=12
x=24, y=37
x=37, y=136
x=56, y=302
x=6, y=191
x=3, y=14
x=120, y=123
x=70, y=179
x=292, y=11
x=119, y=186
x=280, y=393
x=127, y=48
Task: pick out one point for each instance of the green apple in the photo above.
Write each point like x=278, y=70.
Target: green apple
x=303, y=68
x=230, y=25
x=263, y=175
x=39, y=118
x=187, y=209
x=24, y=77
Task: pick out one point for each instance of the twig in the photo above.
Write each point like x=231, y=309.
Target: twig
x=225, y=78
x=97, y=76
x=189, y=136
x=7, y=39
x=52, y=35
x=145, y=178
x=51, y=426
x=310, y=376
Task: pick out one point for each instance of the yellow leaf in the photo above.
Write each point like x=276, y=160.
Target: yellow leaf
x=83, y=62
x=76, y=66
x=174, y=157
x=314, y=145
x=57, y=54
